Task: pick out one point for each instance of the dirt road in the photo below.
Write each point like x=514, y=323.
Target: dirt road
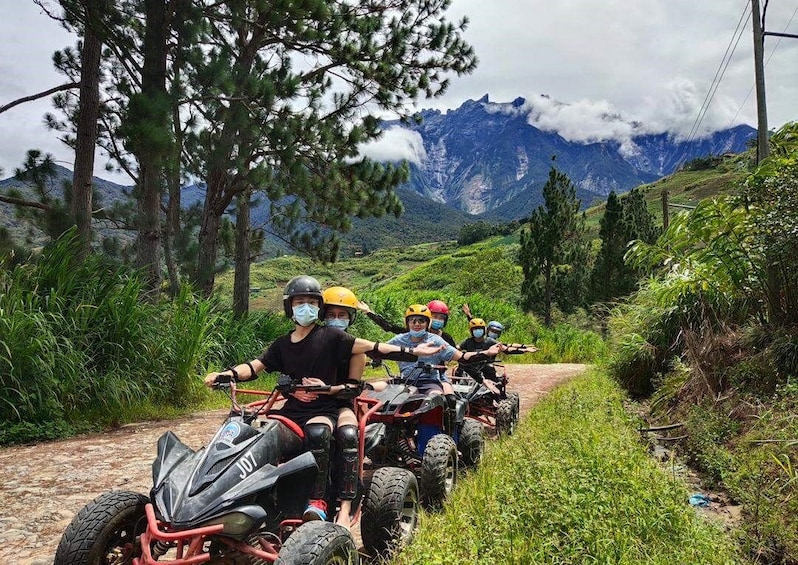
x=44, y=485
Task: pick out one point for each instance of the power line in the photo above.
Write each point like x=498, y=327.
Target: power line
x=780, y=36
x=713, y=87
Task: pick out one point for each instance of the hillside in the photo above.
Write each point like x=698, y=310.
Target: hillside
x=685, y=188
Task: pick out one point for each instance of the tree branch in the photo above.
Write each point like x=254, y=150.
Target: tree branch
x=21, y=202
x=67, y=86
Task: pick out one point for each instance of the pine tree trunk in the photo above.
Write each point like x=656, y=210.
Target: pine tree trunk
x=151, y=159
x=86, y=128
x=208, y=250
x=547, y=295
x=242, y=254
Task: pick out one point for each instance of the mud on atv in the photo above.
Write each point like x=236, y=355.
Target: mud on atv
x=498, y=409
x=237, y=501
x=406, y=427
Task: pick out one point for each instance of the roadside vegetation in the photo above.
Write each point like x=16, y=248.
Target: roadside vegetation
x=83, y=348
x=709, y=341
x=574, y=484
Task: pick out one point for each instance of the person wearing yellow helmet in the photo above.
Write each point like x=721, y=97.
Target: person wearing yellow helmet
x=477, y=341
x=417, y=322
x=439, y=313
x=340, y=307
x=339, y=311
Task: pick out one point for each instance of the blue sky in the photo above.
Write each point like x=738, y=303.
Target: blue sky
x=652, y=61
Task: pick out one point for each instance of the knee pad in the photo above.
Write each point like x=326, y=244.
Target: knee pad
x=317, y=441
x=317, y=437
x=347, y=437
x=349, y=467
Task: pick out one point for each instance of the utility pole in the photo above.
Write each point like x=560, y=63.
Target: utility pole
x=762, y=147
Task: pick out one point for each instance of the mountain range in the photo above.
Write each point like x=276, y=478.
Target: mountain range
x=483, y=161
x=488, y=157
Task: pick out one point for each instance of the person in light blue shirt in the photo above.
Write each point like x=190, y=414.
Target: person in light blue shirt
x=433, y=381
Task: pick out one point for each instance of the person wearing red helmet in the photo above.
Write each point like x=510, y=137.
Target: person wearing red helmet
x=440, y=315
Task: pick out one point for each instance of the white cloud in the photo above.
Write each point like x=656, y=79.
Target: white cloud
x=678, y=110
x=396, y=144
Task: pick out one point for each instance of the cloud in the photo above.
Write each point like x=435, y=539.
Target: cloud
x=675, y=110
x=396, y=144
x=678, y=110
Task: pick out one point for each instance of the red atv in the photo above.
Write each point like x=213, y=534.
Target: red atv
x=483, y=386
x=237, y=501
x=407, y=428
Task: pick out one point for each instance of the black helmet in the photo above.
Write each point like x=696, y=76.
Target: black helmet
x=302, y=285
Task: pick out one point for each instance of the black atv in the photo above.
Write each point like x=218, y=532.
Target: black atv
x=483, y=386
x=406, y=427
x=237, y=501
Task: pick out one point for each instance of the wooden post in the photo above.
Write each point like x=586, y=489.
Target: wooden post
x=665, y=219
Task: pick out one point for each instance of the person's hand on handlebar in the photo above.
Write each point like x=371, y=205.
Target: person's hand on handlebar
x=210, y=379
x=306, y=395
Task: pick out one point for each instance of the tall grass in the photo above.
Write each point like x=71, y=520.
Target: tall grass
x=82, y=346
x=574, y=485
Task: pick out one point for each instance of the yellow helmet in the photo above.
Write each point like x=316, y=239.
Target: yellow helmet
x=418, y=310
x=476, y=323
x=343, y=297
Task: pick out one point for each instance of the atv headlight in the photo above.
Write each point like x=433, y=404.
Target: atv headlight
x=241, y=521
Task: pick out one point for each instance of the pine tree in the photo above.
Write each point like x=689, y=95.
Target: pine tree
x=554, y=250
x=625, y=220
x=292, y=131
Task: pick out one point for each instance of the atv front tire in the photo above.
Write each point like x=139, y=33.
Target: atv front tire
x=319, y=543
x=104, y=531
x=506, y=417
x=516, y=404
x=438, y=470
x=390, y=511
x=471, y=443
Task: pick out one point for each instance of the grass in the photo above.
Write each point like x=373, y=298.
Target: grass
x=684, y=188
x=574, y=485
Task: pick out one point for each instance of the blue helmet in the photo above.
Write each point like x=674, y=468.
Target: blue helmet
x=495, y=327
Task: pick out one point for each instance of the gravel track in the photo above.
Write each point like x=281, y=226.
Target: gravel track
x=44, y=485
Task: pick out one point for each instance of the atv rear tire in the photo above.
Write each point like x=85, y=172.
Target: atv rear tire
x=100, y=531
x=319, y=543
x=438, y=470
x=506, y=417
x=471, y=443
x=390, y=511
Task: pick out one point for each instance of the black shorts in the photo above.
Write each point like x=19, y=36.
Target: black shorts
x=301, y=412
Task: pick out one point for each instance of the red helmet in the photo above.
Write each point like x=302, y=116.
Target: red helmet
x=438, y=307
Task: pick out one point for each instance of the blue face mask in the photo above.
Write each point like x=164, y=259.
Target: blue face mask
x=305, y=314
x=338, y=323
x=436, y=324
x=493, y=335
x=417, y=333
x=478, y=333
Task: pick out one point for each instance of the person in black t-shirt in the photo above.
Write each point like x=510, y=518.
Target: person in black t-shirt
x=477, y=342
x=313, y=353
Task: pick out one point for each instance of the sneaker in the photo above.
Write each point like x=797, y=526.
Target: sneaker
x=316, y=510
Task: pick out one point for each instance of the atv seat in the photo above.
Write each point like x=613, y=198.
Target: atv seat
x=289, y=423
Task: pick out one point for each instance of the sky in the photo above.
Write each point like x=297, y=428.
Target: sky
x=587, y=69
